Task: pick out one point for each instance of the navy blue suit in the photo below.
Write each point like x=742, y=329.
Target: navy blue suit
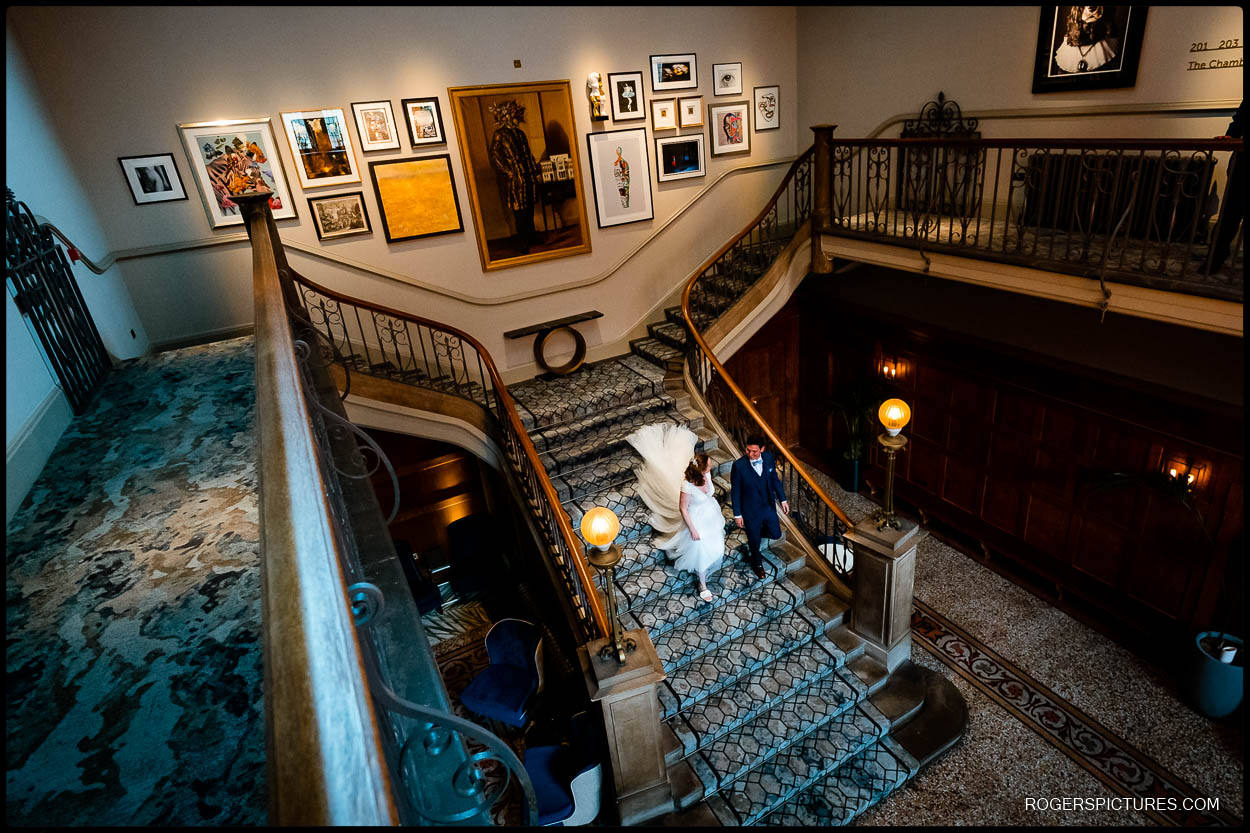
x=755, y=497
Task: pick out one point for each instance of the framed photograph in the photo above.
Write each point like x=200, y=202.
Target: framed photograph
x=339, y=215
x=690, y=111
x=625, y=88
x=728, y=122
x=152, y=178
x=673, y=72
x=425, y=121
x=620, y=171
x=679, y=157
x=505, y=133
x=232, y=156
x=767, y=110
x=322, y=147
x=375, y=125
x=663, y=114
x=1088, y=47
x=417, y=197
x=727, y=79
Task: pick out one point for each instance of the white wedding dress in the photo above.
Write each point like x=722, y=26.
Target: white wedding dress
x=666, y=450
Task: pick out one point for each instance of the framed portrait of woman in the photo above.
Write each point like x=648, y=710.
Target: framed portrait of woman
x=1088, y=47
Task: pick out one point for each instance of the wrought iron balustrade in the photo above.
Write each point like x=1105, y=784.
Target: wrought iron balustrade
x=408, y=758
x=1145, y=212
x=720, y=283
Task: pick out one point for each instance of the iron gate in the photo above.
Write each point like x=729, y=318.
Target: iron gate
x=43, y=287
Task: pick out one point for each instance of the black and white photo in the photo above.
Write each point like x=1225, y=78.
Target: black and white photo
x=152, y=178
x=625, y=90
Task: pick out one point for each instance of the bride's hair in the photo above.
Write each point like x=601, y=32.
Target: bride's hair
x=694, y=470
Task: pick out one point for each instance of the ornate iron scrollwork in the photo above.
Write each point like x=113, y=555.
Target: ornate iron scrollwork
x=940, y=118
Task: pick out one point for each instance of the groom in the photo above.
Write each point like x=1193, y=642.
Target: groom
x=755, y=488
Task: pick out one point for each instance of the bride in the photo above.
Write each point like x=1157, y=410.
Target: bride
x=676, y=485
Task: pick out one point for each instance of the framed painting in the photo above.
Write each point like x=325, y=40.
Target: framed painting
x=506, y=132
x=375, y=125
x=690, y=111
x=727, y=79
x=620, y=171
x=729, y=127
x=322, y=147
x=232, y=156
x=663, y=114
x=625, y=88
x=152, y=178
x=417, y=197
x=673, y=72
x=1088, y=47
x=767, y=109
x=679, y=157
x=339, y=215
x=425, y=121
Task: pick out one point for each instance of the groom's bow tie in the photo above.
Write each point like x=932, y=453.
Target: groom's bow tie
x=757, y=464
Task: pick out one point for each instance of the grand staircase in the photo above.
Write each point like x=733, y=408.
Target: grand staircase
x=774, y=714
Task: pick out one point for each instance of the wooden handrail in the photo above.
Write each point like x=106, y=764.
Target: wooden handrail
x=706, y=349
x=508, y=406
x=326, y=764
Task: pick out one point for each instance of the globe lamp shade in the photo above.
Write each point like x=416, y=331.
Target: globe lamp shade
x=894, y=414
x=599, y=527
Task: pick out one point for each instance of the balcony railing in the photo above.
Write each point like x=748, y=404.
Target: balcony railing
x=359, y=725
x=1147, y=213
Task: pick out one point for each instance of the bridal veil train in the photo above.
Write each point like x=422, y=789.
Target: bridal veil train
x=667, y=450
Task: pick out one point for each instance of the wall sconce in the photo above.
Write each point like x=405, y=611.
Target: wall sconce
x=894, y=415
x=599, y=527
x=891, y=368
x=1186, y=471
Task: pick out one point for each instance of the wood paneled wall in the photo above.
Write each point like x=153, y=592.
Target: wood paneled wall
x=1004, y=454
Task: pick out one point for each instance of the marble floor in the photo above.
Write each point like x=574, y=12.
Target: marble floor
x=134, y=675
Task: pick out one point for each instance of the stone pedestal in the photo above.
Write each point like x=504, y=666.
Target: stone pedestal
x=885, y=574
x=631, y=720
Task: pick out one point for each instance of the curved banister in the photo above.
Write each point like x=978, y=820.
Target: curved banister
x=508, y=411
x=708, y=355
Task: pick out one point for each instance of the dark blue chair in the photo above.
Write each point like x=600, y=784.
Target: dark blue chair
x=567, y=777
x=503, y=690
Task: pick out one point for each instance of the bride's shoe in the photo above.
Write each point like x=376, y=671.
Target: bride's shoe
x=706, y=595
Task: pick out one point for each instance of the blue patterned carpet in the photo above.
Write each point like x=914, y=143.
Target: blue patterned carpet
x=133, y=667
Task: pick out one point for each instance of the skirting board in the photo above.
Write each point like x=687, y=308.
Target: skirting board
x=209, y=337
x=28, y=453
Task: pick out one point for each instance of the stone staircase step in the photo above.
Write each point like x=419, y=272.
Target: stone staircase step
x=901, y=697
x=713, y=671
x=831, y=610
x=861, y=782
x=598, y=475
x=640, y=589
x=787, y=722
x=591, y=389
x=662, y=613
x=725, y=623
x=657, y=352
x=734, y=705
x=814, y=758
x=601, y=423
x=674, y=335
x=602, y=441
x=871, y=671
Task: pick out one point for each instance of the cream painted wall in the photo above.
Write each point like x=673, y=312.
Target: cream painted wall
x=864, y=64
x=132, y=73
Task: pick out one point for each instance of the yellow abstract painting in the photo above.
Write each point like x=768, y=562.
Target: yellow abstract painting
x=417, y=197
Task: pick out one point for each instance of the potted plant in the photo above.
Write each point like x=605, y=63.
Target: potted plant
x=857, y=402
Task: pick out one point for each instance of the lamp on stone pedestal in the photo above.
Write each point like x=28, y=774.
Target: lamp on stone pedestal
x=894, y=414
x=599, y=527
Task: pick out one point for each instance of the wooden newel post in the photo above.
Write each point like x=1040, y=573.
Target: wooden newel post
x=822, y=194
x=251, y=204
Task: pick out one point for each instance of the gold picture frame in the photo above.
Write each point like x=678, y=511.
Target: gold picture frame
x=519, y=216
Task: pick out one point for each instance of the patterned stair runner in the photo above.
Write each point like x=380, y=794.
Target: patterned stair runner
x=761, y=698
